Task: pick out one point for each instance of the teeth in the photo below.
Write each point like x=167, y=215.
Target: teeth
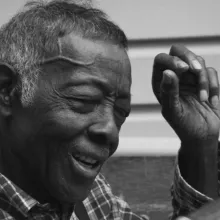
x=85, y=159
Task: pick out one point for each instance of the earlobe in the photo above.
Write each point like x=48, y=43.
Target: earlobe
x=7, y=84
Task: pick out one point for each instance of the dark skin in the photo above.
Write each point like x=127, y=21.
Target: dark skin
x=188, y=92
x=77, y=109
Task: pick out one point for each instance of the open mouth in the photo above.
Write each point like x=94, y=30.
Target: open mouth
x=86, y=161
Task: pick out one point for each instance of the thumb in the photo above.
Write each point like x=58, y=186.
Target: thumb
x=169, y=92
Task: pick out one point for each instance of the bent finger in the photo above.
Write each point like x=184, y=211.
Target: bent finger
x=163, y=62
x=213, y=86
x=196, y=66
x=170, y=94
x=187, y=56
x=203, y=81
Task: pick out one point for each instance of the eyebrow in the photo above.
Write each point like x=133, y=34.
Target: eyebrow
x=108, y=90
x=99, y=59
x=100, y=84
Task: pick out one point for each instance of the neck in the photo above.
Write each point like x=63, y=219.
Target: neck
x=16, y=170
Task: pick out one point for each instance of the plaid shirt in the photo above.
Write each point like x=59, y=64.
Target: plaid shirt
x=186, y=199
x=101, y=204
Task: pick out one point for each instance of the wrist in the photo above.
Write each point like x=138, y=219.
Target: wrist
x=205, y=145
x=198, y=166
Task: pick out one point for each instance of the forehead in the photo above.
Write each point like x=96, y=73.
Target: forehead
x=84, y=50
x=102, y=60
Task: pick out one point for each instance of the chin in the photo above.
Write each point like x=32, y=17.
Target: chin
x=65, y=192
x=69, y=180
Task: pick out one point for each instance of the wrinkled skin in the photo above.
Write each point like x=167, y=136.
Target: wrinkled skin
x=76, y=109
x=188, y=92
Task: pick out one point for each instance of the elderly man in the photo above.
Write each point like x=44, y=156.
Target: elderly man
x=65, y=80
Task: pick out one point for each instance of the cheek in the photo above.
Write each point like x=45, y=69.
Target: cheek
x=54, y=119
x=64, y=124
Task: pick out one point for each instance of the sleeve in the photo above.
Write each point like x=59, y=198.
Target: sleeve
x=185, y=198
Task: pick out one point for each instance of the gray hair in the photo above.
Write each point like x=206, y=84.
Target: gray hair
x=33, y=33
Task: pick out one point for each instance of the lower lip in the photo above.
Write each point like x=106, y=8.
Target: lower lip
x=86, y=171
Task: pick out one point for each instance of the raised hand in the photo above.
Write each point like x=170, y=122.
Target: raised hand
x=188, y=92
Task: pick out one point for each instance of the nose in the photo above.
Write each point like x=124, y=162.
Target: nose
x=104, y=131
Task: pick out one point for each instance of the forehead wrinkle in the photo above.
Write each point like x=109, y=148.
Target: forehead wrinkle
x=66, y=59
x=72, y=46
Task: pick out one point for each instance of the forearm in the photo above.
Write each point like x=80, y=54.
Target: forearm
x=198, y=166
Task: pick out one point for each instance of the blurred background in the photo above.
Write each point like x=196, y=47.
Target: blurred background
x=142, y=169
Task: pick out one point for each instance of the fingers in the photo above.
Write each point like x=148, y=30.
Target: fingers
x=213, y=87
x=169, y=93
x=196, y=66
x=203, y=81
x=208, y=84
x=187, y=56
x=207, y=78
x=191, y=71
x=163, y=62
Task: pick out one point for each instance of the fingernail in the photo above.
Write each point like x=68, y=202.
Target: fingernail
x=214, y=100
x=166, y=78
x=182, y=65
x=196, y=65
x=203, y=95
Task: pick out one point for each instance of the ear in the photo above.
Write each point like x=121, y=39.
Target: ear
x=7, y=85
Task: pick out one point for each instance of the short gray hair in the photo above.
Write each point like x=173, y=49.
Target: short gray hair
x=32, y=35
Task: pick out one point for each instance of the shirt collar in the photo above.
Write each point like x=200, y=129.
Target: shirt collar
x=21, y=201
x=16, y=197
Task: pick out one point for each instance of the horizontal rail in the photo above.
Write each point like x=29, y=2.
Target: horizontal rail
x=147, y=146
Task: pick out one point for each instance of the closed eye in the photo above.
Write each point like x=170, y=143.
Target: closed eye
x=83, y=105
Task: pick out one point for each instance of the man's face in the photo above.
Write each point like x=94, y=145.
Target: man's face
x=73, y=125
